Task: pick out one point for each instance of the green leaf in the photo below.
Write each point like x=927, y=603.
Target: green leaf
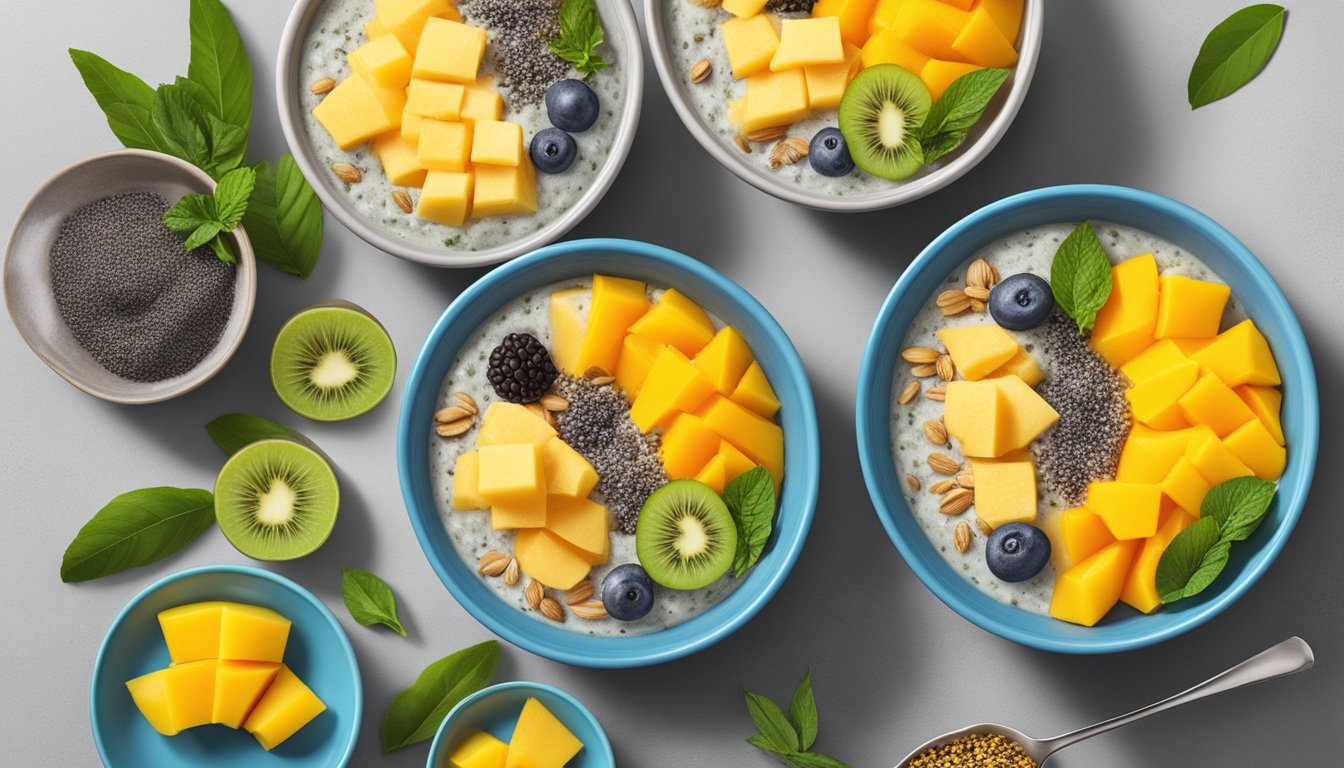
x=580, y=34
x=202, y=235
x=220, y=65
x=1080, y=276
x=179, y=118
x=937, y=146
x=232, y=194
x=137, y=528
x=1234, y=53
x=1238, y=505
x=415, y=714
x=369, y=600
x=284, y=218
x=803, y=712
x=125, y=99
x=228, y=143
x=812, y=760
x=189, y=213
x=959, y=108
x=750, y=498
x=1191, y=561
x=771, y=723
x=233, y=432
x=222, y=251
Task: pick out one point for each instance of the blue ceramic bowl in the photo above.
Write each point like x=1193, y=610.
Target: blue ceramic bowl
x=495, y=710
x=318, y=652
x=717, y=294
x=1253, y=287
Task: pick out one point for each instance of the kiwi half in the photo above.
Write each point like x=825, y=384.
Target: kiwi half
x=880, y=115
x=685, y=537
x=276, y=499
x=332, y=361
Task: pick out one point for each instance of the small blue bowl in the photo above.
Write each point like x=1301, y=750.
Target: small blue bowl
x=717, y=294
x=496, y=709
x=1253, y=287
x=318, y=652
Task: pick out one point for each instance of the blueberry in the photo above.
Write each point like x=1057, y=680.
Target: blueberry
x=571, y=105
x=1021, y=301
x=829, y=154
x=627, y=593
x=1017, y=551
x=553, y=150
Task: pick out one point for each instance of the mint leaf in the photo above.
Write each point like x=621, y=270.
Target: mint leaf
x=220, y=65
x=189, y=213
x=936, y=146
x=284, y=218
x=203, y=234
x=231, y=196
x=1234, y=53
x=369, y=600
x=1238, y=505
x=233, y=432
x=1080, y=276
x=125, y=99
x=803, y=712
x=811, y=760
x=580, y=34
x=789, y=740
x=416, y=712
x=771, y=723
x=959, y=108
x=750, y=498
x=227, y=142
x=137, y=528
x=1191, y=561
x=180, y=121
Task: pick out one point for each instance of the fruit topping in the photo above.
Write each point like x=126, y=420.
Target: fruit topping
x=1017, y=551
x=571, y=106
x=627, y=593
x=553, y=150
x=686, y=537
x=1021, y=302
x=829, y=154
x=880, y=115
x=521, y=369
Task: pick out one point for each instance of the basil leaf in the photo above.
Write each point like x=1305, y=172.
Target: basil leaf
x=1238, y=505
x=803, y=712
x=233, y=432
x=770, y=721
x=203, y=234
x=232, y=194
x=369, y=600
x=284, y=218
x=1234, y=53
x=1191, y=561
x=959, y=108
x=415, y=714
x=179, y=119
x=220, y=65
x=137, y=528
x=750, y=498
x=1080, y=276
x=190, y=213
x=125, y=99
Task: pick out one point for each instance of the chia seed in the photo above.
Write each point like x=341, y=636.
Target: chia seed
x=597, y=424
x=1085, y=443
x=519, y=30
x=131, y=294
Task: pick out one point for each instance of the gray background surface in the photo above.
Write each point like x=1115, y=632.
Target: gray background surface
x=892, y=666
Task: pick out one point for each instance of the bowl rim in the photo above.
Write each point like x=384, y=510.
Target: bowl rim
x=874, y=388
x=968, y=156
x=604, y=751
x=247, y=265
x=788, y=546
x=287, y=87
x=241, y=570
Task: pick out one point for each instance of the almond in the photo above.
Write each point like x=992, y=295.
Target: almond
x=977, y=292
x=910, y=392
x=580, y=592
x=589, y=609
x=943, y=464
x=533, y=593
x=965, y=479
x=347, y=173
x=467, y=402
x=951, y=297
x=982, y=274
x=403, y=200
x=942, y=486
x=920, y=355
x=788, y=151
x=947, y=370
x=451, y=413
x=961, y=536
x=554, y=403
x=765, y=135
x=700, y=70
x=912, y=481
x=938, y=392
x=956, y=501
x=322, y=85
x=551, y=609
x=493, y=563
x=511, y=573
x=923, y=370
x=453, y=428
x=935, y=432
x=952, y=310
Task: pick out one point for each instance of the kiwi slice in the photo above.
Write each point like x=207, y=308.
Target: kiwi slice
x=685, y=537
x=880, y=116
x=332, y=361
x=276, y=499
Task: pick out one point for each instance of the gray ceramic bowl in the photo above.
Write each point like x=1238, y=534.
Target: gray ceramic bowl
x=981, y=139
x=28, y=292
x=622, y=42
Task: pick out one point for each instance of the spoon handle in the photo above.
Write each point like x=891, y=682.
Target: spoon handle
x=1288, y=657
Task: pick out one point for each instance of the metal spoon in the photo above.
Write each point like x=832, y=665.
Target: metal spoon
x=1288, y=657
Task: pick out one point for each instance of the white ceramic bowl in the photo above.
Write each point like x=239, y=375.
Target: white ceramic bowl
x=622, y=40
x=982, y=137
x=28, y=292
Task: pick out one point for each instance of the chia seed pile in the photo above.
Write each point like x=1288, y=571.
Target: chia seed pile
x=597, y=424
x=145, y=308
x=519, y=30
x=975, y=750
x=1084, y=445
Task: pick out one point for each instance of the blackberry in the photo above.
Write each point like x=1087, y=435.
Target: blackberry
x=521, y=369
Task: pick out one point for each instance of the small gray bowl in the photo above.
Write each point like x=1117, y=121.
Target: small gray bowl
x=28, y=292
x=623, y=43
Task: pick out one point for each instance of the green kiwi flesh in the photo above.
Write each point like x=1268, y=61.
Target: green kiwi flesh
x=276, y=499
x=685, y=537
x=332, y=362
x=880, y=116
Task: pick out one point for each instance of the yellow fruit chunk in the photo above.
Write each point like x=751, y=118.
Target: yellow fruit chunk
x=406, y=18
x=435, y=100
x=750, y=44
x=1084, y=593
x=1215, y=461
x=540, y=740
x=1257, y=449
x=776, y=99
x=411, y=124
x=978, y=349
x=506, y=423
x=1129, y=510
x=743, y=8
x=192, y=631
x=1005, y=489
x=760, y=439
x=1007, y=14
x=884, y=15
x=400, y=159
x=252, y=633
x=714, y=473
x=1149, y=454
x=449, y=51
x=357, y=110
x=1140, y=588
x=510, y=516
x=177, y=698
x=1265, y=402
x=549, y=559
x=288, y=706
x=754, y=392
x=617, y=302
x=444, y=146
x=582, y=523
x=1212, y=402
x=982, y=42
x=446, y=197
x=383, y=61
x=512, y=475
x=1125, y=324
x=804, y=42
x=1189, y=347
x=567, y=472
x=688, y=443
x=1028, y=413
x=465, y=493
x=938, y=74
x=976, y=415
x=373, y=29
x=826, y=83
x=1184, y=485
x=481, y=103
x=1189, y=308
x=737, y=112
x=1023, y=366
x=569, y=318
x=678, y=321
x=479, y=750
x=1154, y=402
x=724, y=359
x=672, y=386
x=150, y=694
x=1240, y=355
x=853, y=16
x=637, y=356
x=1158, y=358
x=886, y=47
x=502, y=190
x=735, y=462
x=1082, y=534
x=239, y=685
x=496, y=142
x=930, y=26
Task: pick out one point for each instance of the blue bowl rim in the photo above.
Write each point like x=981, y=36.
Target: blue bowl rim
x=245, y=570
x=874, y=383
x=810, y=441
x=604, y=743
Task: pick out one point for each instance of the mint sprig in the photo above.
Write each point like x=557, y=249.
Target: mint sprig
x=1230, y=512
x=789, y=739
x=959, y=108
x=1080, y=276
x=750, y=498
x=206, y=218
x=580, y=34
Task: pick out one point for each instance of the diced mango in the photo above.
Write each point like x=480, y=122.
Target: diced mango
x=750, y=43
x=1240, y=355
x=938, y=74
x=582, y=523
x=1149, y=454
x=252, y=633
x=505, y=423
x=930, y=26
x=288, y=706
x=239, y=685
x=678, y=321
x=406, y=18
x=976, y=414
x=884, y=15
x=1023, y=366
x=743, y=9
x=776, y=99
x=1086, y=592
x=510, y=517
x=1156, y=359
x=503, y=190
x=617, y=302
x=1189, y=308
x=754, y=392
x=1189, y=347
x=357, y=110
x=1184, y=485
x=373, y=29
x=1129, y=510
x=637, y=356
x=481, y=103
x=735, y=462
x=435, y=100
x=479, y=750
x=549, y=559
x=1215, y=461
x=496, y=142
x=826, y=83
x=724, y=359
x=400, y=159
x=1082, y=534
x=569, y=319
x=446, y=197
x=384, y=61
x=981, y=42
x=411, y=124
x=1265, y=402
x=714, y=473
x=465, y=473
x=444, y=146
x=977, y=350
x=672, y=386
x=568, y=473
x=1213, y=403
x=540, y=740
x=1155, y=401
x=1007, y=14
x=737, y=112
x=759, y=438
x=853, y=16
x=805, y=42
x=887, y=47
x=1124, y=326
x=177, y=698
x=1028, y=413
x=687, y=445
x=964, y=5
x=192, y=631
x=1257, y=449
x=512, y=475
x=1005, y=489
x=150, y=694
x=1140, y=588
x=449, y=51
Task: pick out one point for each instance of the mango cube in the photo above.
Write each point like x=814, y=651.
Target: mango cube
x=1215, y=461
x=507, y=516
x=1140, y=588
x=239, y=685
x=884, y=15
x=887, y=47
x=678, y=321
x=1087, y=591
x=673, y=385
x=288, y=705
x=742, y=9
x=444, y=146
x=540, y=740
x=446, y=197
x=1185, y=486
x=637, y=356
x=1189, y=347
x=754, y=392
x=776, y=99
x=1189, y=308
x=617, y=303
x=400, y=159
x=479, y=750
x=1240, y=355
x=582, y=523
x=826, y=83
x=978, y=350
x=976, y=415
x=449, y=51
x=567, y=472
x=714, y=473
x=805, y=42
x=192, y=631
x=1125, y=324
x=1156, y=359
x=1005, y=489
x=466, y=496
x=549, y=559
x=1257, y=449
x=1130, y=510
x=512, y=474
x=496, y=142
x=435, y=100
x=505, y=423
x=687, y=445
x=981, y=42
x=737, y=112
x=1082, y=534
x=411, y=124
x=373, y=29
x=930, y=26
x=569, y=319
x=406, y=18
x=252, y=633
x=1028, y=413
x=853, y=16
x=1265, y=402
x=735, y=462
x=176, y=698
x=502, y=190
x=1149, y=454
x=1213, y=403
x=383, y=61
x=1023, y=366
x=1155, y=402
x=750, y=43
x=759, y=438
x=939, y=74
x=481, y=103
x=724, y=359
x=1007, y=14
x=357, y=110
